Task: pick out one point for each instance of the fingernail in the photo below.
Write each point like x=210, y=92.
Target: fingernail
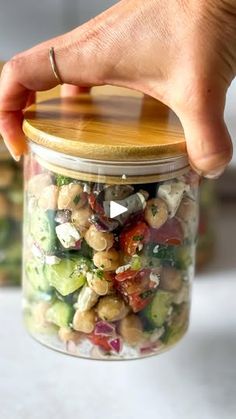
x=215, y=174
x=15, y=156
x=211, y=174
x=198, y=171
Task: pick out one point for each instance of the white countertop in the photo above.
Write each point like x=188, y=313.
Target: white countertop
x=196, y=380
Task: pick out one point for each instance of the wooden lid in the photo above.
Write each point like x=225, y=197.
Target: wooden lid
x=106, y=128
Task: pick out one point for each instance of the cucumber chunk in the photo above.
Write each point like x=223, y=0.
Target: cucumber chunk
x=36, y=326
x=43, y=230
x=66, y=276
x=60, y=314
x=178, y=325
x=157, y=311
x=36, y=276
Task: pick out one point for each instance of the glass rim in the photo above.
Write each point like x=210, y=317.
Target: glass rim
x=120, y=169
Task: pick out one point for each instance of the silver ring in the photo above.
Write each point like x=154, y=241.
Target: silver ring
x=54, y=65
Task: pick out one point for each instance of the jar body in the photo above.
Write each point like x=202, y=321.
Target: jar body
x=106, y=286
x=11, y=204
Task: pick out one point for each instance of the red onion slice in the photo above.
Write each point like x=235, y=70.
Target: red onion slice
x=104, y=329
x=116, y=344
x=78, y=245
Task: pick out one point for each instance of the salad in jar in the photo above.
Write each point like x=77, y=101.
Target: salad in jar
x=103, y=285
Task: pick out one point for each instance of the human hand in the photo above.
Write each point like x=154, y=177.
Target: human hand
x=181, y=52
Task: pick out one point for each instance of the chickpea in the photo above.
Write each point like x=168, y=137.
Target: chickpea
x=156, y=212
x=4, y=207
x=6, y=176
x=109, y=278
x=112, y=308
x=99, y=240
x=171, y=279
x=38, y=183
x=84, y=321
x=71, y=197
x=117, y=192
x=187, y=210
x=131, y=330
x=39, y=313
x=80, y=217
x=66, y=334
x=188, y=215
x=48, y=198
x=108, y=260
x=99, y=285
x=182, y=296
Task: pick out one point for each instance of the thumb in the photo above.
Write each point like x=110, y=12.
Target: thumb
x=208, y=141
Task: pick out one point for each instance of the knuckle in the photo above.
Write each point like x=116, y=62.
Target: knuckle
x=12, y=66
x=94, y=44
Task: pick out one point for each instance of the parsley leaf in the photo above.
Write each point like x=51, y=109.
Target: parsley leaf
x=154, y=210
x=76, y=199
x=99, y=273
x=63, y=180
x=138, y=238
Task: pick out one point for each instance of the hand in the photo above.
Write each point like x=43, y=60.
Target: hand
x=180, y=52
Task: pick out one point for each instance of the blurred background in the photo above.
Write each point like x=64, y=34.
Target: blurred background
x=24, y=23
x=195, y=380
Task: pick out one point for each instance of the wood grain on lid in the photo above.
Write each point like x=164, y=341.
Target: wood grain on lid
x=106, y=127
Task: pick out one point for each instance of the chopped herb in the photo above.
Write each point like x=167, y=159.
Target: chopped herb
x=138, y=238
x=165, y=252
x=99, y=273
x=63, y=180
x=146, y=294
x=154, y=210
x=76, y=199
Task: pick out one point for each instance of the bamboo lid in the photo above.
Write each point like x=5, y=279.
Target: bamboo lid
x=100, y=127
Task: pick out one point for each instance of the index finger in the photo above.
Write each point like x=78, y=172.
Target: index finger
x=25, y=73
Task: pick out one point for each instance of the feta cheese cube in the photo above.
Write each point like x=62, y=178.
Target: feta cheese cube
x=52, y=260
x=67, y=235
x=172, y=193
x=87, y=299
x=123, y=268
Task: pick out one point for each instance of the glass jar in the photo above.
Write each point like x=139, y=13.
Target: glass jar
x=111, y=215
x=11, y=200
